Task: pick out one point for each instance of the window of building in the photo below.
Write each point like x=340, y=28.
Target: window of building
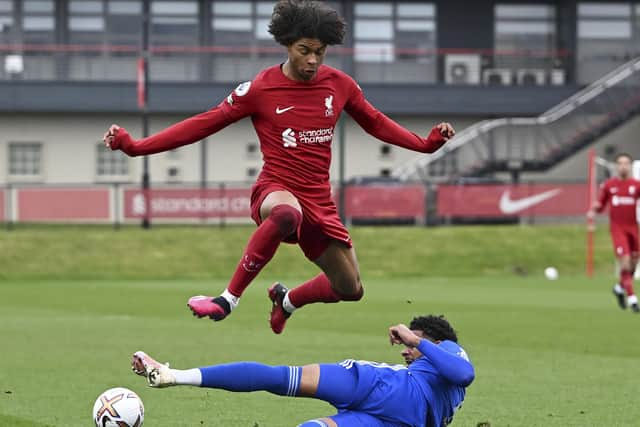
x=252, y=150
x=38, y=21
x=385, y=151
x=232, y=22
x=604, y=21
x=6, y=21
x=242, y=26
x=174, y=22
x=525, y=36
x=6, y=6
x=103, y=22
x=252, y=172
x=373, y=32
x=111, y=163
x=25, y=159
x=395, y=41
x=607, y=37
x=385, y=172
x=173, y=174
x=124, y=22
x=263, y=17
x=86, y=22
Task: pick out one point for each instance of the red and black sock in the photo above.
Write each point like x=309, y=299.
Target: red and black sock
x=317, y=289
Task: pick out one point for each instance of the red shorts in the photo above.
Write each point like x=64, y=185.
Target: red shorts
x=625, y=240
x=320, y=220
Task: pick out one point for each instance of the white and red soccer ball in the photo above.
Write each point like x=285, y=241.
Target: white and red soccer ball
x=118, y=407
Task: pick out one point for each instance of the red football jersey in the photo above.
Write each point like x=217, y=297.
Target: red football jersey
x=622, y=196
x=294, y=121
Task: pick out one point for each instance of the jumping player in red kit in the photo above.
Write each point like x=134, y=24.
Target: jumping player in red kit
x=294, y=108
x=622, y=193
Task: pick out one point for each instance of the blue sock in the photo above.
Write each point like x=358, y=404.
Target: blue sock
x=251, y=376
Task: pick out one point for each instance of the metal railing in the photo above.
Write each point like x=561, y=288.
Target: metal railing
x=535, y=144
x=219, y=63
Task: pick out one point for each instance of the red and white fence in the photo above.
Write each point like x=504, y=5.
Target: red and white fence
x=406, y=202
x=189, y=204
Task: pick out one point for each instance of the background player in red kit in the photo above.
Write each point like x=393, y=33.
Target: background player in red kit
x=622, y=193
x=294, y=108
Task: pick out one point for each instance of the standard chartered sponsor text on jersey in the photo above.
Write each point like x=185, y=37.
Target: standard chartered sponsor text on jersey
x=199, y=205
x=317, y=136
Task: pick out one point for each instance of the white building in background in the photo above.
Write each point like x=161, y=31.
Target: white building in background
x=68, y=149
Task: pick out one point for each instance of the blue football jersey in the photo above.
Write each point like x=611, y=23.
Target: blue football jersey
x=427, y=393
x=442, y=374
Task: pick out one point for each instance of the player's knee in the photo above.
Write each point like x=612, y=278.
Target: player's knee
x=355, y=296
x=287, y=217
x=352, y=291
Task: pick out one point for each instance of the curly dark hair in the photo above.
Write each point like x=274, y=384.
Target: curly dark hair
x=293, y=20
x=435, y=327
x=620, y=155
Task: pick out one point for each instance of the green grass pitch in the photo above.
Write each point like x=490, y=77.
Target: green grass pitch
x=546, y=353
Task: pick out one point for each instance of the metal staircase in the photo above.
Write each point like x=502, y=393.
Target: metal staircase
x=535, y=143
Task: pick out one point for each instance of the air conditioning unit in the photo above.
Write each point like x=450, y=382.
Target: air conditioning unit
x=557, y=77
x=531, y=77
x=13, y=64
x=497, y=76
x=462, y=69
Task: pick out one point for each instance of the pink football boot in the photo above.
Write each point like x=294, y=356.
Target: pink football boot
x=215, y=308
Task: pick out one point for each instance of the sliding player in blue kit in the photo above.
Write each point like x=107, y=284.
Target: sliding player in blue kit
x=427, y=392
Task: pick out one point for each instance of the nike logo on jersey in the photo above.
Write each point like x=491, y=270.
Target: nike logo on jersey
x=283, y=110
x=509, y=206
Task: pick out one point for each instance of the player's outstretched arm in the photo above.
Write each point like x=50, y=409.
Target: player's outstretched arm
x=603, y=199
x=455, y=368
x=597, y=207
x=185, y=132
x=382, y=127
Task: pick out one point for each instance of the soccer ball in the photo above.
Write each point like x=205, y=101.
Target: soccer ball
x=551, y=273
x=118, y=407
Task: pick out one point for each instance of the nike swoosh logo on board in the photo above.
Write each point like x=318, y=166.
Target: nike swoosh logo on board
x=509, y=206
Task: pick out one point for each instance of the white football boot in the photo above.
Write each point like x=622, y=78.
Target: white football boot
x=158, y=375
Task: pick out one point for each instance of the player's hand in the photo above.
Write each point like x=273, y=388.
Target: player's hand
x=110, y=135
x=400, y=334
x=446, y=130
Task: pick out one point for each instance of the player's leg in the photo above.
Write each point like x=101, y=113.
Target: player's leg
x=621, y=251
x=281, y=216
x=334, y=384
x=632, y=299
x=340, y=281
x=626, y=280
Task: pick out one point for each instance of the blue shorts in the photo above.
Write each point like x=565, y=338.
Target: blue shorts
x=371, y=394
